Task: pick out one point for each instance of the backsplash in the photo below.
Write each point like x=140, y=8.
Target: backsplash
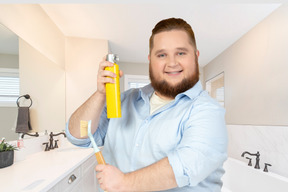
x=270, y=141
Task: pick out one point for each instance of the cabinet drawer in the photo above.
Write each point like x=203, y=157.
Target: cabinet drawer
x=70, y=180
x=89, y=164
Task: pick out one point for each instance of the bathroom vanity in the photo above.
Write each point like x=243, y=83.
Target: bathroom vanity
x=68, y=168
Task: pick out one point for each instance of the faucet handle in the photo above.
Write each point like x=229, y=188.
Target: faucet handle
x=250, y=163
x=266, y=167
x=46, y=148
x=56, y=145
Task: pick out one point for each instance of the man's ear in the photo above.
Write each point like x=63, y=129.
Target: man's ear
x=149, y=57
x=198, y=53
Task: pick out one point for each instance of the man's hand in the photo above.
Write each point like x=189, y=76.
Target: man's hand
x=105, y=76
x=156, y=177
x=110, y=178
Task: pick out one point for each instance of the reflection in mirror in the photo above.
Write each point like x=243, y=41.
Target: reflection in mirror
x=215, y=88
x=9, y=79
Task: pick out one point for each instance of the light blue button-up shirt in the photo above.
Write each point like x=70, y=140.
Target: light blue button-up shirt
x=190, y=131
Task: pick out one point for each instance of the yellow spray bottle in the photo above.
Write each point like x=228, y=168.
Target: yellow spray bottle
x=113, y=99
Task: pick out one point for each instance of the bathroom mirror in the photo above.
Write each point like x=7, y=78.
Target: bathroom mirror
x=9, y=63
x=44, y=81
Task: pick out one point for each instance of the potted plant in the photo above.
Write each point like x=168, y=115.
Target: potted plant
x=6, y=154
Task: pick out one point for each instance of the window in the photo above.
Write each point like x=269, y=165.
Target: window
x=9, y=87
x=135, y=81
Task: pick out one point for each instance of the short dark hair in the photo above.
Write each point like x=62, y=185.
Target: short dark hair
x=172, y=24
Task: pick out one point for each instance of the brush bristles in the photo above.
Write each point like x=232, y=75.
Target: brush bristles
x=83, y=128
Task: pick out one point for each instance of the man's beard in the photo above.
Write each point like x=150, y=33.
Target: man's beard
x=170, y=91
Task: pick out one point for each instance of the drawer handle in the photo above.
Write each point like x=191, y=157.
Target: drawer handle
x=71, y=179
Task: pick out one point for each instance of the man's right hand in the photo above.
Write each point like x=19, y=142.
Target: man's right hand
x=105, y=76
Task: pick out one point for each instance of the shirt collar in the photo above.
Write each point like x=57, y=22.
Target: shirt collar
x=192, y=92
x=146, y=92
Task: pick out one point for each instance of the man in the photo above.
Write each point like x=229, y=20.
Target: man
x=172, y=135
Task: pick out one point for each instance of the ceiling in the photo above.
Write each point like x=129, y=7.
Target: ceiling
x=128, y=26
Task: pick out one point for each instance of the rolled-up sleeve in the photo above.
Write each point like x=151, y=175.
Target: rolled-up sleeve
x=203, y=147
x=74, y=140
x=99, y=135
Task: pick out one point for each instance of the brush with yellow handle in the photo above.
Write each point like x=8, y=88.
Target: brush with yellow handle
x=86, y=130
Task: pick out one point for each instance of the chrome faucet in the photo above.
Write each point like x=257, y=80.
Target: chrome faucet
x=257, y=158
x=51, y=139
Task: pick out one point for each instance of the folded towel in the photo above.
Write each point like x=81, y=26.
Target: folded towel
x=23, y=120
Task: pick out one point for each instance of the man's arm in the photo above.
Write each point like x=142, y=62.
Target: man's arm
x=93, y=107
x=156, y=177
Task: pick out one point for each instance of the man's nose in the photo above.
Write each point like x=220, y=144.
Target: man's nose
x=172, y=61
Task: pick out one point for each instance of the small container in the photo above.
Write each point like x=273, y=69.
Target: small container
x=113, y=99
x=20, y=142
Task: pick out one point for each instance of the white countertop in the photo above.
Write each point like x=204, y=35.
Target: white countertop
x=41, y=171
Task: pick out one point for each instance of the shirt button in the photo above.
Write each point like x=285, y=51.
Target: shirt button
x=137, y=145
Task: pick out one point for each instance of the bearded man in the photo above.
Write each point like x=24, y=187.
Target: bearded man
x=172, y=134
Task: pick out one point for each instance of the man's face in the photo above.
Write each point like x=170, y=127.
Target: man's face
x=173, y=64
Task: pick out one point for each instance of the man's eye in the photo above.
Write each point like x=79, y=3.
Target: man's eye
x=181, y=53
x=161, y=55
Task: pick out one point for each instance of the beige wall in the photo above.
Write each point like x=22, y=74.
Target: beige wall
x=82, y=60
x=255, y=67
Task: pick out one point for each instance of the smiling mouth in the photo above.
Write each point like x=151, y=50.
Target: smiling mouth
x=174, y=72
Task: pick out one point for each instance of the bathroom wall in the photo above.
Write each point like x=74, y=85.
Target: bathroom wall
x=256, y=91
x=256, y=73
x=82, y=60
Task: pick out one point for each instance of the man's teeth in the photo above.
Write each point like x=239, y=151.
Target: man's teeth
x=175, y=72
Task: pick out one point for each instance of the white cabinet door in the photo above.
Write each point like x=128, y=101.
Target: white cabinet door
x=81, y=179
x=89, y=175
